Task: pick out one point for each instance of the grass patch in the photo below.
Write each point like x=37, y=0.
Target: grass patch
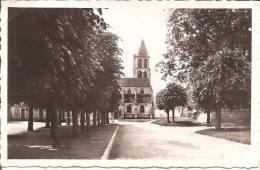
x=163, y=122
x=241, y=135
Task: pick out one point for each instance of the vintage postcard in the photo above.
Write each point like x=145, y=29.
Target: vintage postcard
x=130, y=84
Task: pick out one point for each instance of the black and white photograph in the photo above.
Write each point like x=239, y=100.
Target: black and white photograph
x=122, y=83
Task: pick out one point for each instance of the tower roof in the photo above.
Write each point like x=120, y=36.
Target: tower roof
x=142, y=50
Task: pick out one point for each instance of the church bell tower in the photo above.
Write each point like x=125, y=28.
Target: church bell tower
x=141, y=63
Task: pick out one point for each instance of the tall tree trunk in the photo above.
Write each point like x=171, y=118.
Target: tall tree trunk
x=116, y=115
x=181, y=111
x=82, y=121
x=68, y=117
x=94, y=118
x=102, y=118
x=22, y=114
x=41, y=113
x=54, y=127
x=60, y=116
x=173, y=115
x=47, y=121
x=75, y=123
x=98, y=117
x=168, y=116
x=208, y=116
x=63, y=116
x=218, y=118
x=107, y=118
x=88, y=120
x=30, y=119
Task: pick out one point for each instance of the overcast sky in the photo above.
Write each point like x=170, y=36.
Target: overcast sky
x=135, y=24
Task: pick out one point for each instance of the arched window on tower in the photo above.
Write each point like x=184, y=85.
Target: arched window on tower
x=128, y=91
x=145, y=63
x=142, y=91
x=141, y=109
x=129, y=109
x=144, y=74
x=139, y=63
x=139, y=74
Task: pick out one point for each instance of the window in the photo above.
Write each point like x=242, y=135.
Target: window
x=139, y=63
x=145, y=63
x=145, y=75
x=128, y=91
x=142, y=91
x=129, y=109
x=139, y=74
x=141, y=109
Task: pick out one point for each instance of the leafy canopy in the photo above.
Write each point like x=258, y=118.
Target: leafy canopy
x=210, y=51
x=170, y=97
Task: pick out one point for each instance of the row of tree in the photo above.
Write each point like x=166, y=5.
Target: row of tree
x=63, y=60
x=209, y=50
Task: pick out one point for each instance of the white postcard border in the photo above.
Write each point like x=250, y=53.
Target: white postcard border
x=253, y=158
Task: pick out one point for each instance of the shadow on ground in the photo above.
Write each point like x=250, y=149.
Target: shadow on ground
x=241, y=135
x=37, y=144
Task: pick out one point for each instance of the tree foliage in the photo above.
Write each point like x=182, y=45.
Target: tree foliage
x=170, y=97
x=60, y=51
x=210, y=51
x=62, y=58
x=161, y=100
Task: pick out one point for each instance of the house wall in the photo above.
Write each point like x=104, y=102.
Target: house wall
x=15, y=112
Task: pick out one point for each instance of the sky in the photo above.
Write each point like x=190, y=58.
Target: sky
x=134, y=24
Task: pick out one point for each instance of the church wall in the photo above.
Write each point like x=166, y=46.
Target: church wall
x=136, y=101
x=148, y=110
x=147, y=90
x=136, y=107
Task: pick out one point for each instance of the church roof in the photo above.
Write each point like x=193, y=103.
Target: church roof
x=134, y=82
x=142, y=50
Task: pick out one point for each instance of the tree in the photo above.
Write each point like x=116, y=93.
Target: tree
x=114, y=101
x=229, y=84
x=101, y=98
x=69, y=50
x=203, y=99
x=176, y=97
x=161, y=102
x=30, y=121
x=209, y=49
x=171, y=97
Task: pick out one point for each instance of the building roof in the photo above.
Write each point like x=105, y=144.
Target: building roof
x=142, y=50
x=134, y=82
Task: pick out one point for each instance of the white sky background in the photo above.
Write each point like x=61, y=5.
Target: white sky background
x=133, y=25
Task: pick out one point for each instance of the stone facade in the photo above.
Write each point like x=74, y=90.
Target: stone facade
x=137, y=93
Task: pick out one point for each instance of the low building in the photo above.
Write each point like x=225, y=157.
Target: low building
x=21, y=112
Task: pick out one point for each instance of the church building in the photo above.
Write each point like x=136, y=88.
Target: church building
x=137, y=92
